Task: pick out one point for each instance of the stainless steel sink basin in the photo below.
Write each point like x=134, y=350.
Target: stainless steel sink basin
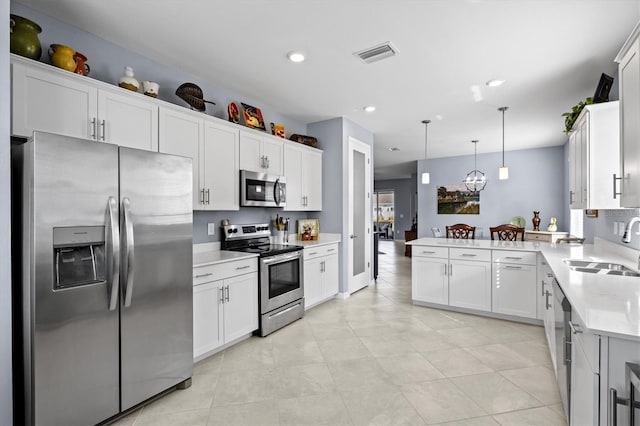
x=600, y=268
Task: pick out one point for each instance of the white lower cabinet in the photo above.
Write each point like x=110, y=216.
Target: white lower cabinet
x=430, y=276
x=470, y=280
x=585, y=375
x=225, y=304
x=320, y=274
x=514, y=283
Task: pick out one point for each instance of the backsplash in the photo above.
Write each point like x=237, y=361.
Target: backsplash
x=603, y=226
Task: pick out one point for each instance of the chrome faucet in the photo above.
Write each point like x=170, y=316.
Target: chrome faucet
x=626, y=238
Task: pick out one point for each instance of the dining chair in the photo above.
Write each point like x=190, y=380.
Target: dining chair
x=461, y=231
x=507, y=232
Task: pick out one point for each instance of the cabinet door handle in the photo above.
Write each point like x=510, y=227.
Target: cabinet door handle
x=227, y=297
x=93, y=128
x=242, y=267
x=543, y=284
x=468, y=255
x=450, y=270
x=267, y=158
x=203, y=275
x=513, y=257
x=632, y=371
x=221, y=295
x=103, y=127
x=208, y=193
x=201, y=200
x=615, y=192
x=512, y=267
x=571, y=197
x=547, y=294
x=428, y=252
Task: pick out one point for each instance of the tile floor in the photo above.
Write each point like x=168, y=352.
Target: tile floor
x=373, y=359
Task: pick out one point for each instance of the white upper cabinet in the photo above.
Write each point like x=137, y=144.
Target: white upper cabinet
x=629, y=85
x=594, y=157
x=56, y=101
x=214, y=148
x=303, y=170
x=261, y=153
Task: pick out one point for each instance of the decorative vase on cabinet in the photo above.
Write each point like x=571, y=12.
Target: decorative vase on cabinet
x=24, y=37
x=536, y=220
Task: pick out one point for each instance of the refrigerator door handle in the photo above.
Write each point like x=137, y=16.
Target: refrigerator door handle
x=127, y=252
x=113, y=273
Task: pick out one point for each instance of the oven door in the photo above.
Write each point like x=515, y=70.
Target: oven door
x=280, y=280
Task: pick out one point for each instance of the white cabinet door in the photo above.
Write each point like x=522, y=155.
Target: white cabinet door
x=429, y=281
x=312, y=180
x=272, y=151
x=220, y=167
x=182, y=133
x=629, y=74
x=127, y=120
x=240, y=306
x=293, y=166
x=251, y=157
x=514, y=290
x=585, y=385
x=330, y=282
x=51, y=102
x=470, y=285
x=313, y=281
x=207, y=317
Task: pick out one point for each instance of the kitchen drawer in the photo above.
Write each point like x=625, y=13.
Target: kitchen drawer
x=429, y=251
x=470, y=254
x=219, y=271
x=513, y=256
x=537, y=237
x=318, y=251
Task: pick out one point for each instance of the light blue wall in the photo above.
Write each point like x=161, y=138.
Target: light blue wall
x=6, y=381
x=536, y=182
x=404, y=202
x=602, y=226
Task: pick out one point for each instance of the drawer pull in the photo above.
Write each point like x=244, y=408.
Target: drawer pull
x=428, y=252
x=331, y=250
x=204, y=275
x=513, y=257
x=468, y=255
x=313, y=254
x=512, y=267
x=242, y=267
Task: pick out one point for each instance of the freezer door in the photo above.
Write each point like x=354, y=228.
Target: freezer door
x=156, y=263
x=70, y=318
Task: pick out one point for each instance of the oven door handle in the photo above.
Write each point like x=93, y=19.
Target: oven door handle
x=281, y=258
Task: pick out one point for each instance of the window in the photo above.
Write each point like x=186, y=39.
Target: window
x=383, y=217
x=575, y=228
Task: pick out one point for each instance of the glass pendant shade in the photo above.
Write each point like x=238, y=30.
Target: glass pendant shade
x=425, y=175
x=503, y=172
x=475, y=179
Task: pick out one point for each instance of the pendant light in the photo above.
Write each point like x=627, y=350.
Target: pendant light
x=475, y=180
x=425, y=174
x=503, y=172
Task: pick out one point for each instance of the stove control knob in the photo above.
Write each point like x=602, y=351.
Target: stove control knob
x=235, y=231
x=229, y=231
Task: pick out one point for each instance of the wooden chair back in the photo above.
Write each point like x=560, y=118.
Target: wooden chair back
x=461, y=231
x=507, y=232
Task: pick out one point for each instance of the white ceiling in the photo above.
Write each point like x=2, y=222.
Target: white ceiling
x=550, y=52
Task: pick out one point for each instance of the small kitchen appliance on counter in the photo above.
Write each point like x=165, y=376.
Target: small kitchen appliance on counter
x=281, y=290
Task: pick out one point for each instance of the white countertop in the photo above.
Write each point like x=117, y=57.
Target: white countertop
x=204, y=254
x=607, y=304
x=323, y=239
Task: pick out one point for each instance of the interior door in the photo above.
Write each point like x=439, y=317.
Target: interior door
x=359, y=215
x=156, y=309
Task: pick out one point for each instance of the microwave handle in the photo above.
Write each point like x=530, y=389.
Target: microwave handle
x=276, y=192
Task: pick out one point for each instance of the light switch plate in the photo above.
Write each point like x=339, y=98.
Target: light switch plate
x=211, y=228
x=615, y=228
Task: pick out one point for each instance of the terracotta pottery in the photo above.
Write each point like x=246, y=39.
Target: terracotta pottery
x=24, y=37
x=536, y=221
x=82, y=67
x=62, y=57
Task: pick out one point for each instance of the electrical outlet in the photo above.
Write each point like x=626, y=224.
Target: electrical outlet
x=211, y=228
x=615, y=228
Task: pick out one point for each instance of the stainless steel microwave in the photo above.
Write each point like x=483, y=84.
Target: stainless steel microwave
x=262, y=190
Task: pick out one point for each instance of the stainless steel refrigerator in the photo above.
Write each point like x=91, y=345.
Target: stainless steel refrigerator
x=103, y=240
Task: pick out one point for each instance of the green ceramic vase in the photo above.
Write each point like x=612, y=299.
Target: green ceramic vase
x=24, y=37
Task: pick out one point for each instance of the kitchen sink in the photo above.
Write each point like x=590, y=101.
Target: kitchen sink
x=600, y=268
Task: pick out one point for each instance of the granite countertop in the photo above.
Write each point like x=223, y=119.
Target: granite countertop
x=607, y=304
x=210, y=257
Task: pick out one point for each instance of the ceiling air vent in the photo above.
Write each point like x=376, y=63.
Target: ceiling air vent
x=377, y=53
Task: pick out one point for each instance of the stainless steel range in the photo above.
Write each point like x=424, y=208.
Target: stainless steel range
x=281, y=292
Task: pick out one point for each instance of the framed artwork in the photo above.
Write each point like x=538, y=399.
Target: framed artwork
x=308, y=229
x=591, y=213
x=253, y=117
x=277, y=130
x=234, y=114
x=457, y=199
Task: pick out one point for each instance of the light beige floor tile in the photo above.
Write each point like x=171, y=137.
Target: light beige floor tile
x=499, y=357
x=360, y=375
x=539, y=381
x=441, y=401
x=535, y=351
x=409, y=368
x=380, y=408
x=475, y=421
x=264, y=413
x=254, y=354
x=198, y=396
x=181, y=418
x=558, y=409
x=532, y=417
x=304, y=380
x=455, y=362
x=338, y=330
x=297, y=332
x=343, y=349
x=387, y=346
x=324, y=409
x=494, y=393
x=297, y=354
x=464, y=337
x=209, y=365
x=127, y=420
x=427, y=341
x=237, y=387
x=504, y=332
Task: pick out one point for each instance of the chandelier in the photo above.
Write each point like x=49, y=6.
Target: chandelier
x=475, y=180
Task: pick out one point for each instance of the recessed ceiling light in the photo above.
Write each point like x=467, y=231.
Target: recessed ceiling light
x=393, y=149
x=494, y=82
x=369, y=108
x=295, y=56
x=439, y=117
